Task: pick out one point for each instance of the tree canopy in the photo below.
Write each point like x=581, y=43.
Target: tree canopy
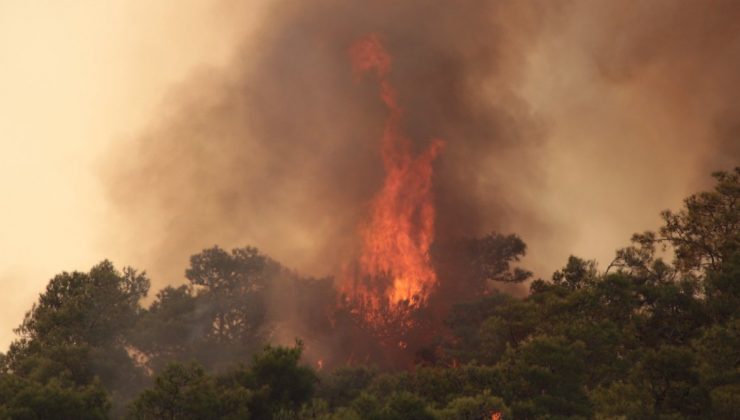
x=654, y=335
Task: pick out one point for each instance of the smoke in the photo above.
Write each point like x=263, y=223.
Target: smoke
x=638, y=101
x=571, y=123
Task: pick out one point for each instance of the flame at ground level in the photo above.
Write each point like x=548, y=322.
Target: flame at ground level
x=394, y=269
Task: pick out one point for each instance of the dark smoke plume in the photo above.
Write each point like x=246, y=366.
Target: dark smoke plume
x=280, y=150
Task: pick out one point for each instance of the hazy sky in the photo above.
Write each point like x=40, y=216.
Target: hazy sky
x=630, y=115
x=76, y=76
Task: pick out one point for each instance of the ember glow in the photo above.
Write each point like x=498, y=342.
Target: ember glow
x=394, y=268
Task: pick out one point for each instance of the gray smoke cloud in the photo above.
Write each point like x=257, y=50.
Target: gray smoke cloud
x=568, y=122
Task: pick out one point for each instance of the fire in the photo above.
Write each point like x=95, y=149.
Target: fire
x=397, y=235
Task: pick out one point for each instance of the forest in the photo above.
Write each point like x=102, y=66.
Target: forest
x=654, y=335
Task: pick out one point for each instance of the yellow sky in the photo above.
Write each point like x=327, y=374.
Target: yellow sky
x=76, y=76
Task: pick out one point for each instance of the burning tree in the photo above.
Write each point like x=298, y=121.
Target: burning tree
x=394, y=273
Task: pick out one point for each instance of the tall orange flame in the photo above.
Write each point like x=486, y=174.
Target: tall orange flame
x=400, y=228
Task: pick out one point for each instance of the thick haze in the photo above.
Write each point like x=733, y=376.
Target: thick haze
x=77, y=77
x=146, y=135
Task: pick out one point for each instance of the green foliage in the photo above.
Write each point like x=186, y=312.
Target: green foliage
x=723, y=290
x=468, y=269
x=343, y=385
x=707, y=231
x=576, y=274
x=399, y=405
x=405, y=406
x=717, y=350
x=230, y=286
x=725, y=402
x=492, y=255
x=169, y=329
x=179, y=392
x=287, y=383
x=477, y=407
x=94, y=308
x=76, y=333
x=217, y=319
x=669, y=376
x=547, y=376
x=24, y=399
x=485, y=328
x=646, y=338
x=273, y=386
x=621, y=400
